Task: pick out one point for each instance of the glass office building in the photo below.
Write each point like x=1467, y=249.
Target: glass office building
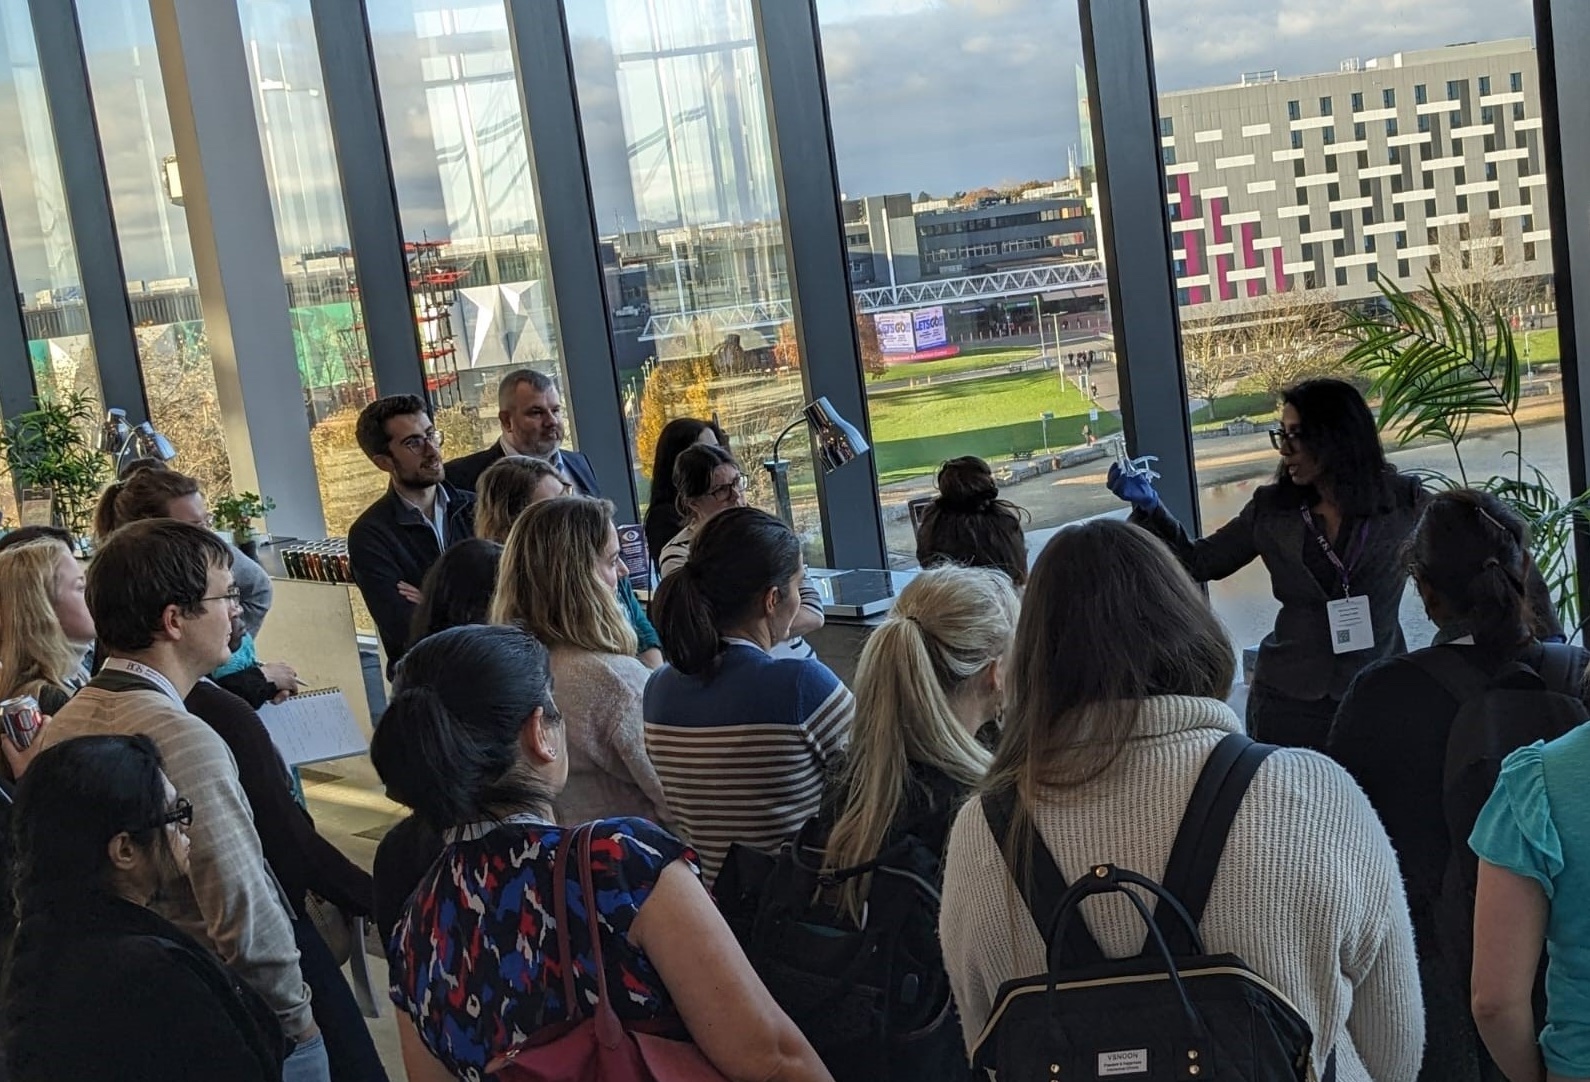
x=1004, y=229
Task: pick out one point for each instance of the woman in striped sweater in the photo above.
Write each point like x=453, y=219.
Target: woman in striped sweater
x=742, y=740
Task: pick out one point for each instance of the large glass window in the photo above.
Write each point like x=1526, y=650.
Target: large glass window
x=317, y=262
x=675, y=122
x=42, y=245
x=974, y=250
x=1265, y=317
x=466, y=193
x=162, y=286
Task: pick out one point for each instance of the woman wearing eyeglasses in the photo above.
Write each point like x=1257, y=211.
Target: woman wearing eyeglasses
x=100, y=832
x=1330, y=530
x=709, y=482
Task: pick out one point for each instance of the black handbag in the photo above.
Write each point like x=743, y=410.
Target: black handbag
x=1175, y=1011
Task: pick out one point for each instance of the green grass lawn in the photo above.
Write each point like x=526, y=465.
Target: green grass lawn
x=1544, y=347
x=969, y=360
x=916, y=428
x=1254, y=406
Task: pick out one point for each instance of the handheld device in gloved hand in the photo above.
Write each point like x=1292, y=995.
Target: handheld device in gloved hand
x=1132, y=479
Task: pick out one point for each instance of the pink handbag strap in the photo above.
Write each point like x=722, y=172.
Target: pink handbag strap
x=579, y=840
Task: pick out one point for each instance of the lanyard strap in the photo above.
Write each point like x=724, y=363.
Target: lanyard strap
x=144, y=672
x=1357, y=550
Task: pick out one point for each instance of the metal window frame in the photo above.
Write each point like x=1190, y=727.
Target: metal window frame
x=1560, y=27
x=63, y=67
x=1118, y=58
x=789, y=50
x=369, y=195
x=544, y=62
x=18, y=391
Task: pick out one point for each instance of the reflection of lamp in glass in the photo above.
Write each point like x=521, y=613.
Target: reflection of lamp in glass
x=114, y=436
x=838, y=441
x=117, y=437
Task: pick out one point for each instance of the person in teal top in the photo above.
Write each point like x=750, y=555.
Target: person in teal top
x=1533, y=841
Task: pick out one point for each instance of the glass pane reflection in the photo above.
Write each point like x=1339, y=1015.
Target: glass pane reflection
x=687, y=205
x=466, y=194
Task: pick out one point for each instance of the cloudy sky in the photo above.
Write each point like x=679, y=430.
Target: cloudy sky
x=947, y=95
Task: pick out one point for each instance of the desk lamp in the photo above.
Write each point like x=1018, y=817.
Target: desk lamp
x=117, y=437
x=838, y=442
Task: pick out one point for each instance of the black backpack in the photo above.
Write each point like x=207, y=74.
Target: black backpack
x=1536, y=698
x=1172, y=1012
x=874, y=1000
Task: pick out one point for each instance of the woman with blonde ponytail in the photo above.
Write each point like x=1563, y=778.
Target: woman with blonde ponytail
x=929, y=678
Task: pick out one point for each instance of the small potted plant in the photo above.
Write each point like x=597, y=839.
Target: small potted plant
x=236, y=513
x=54, y=463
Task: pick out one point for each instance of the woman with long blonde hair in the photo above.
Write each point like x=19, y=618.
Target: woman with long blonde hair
x=45, y=627
x=929, y=678
x=558, y=580
x=512, y=484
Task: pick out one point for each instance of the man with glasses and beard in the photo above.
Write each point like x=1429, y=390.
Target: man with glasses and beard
x=402, y=534
x=162, y=597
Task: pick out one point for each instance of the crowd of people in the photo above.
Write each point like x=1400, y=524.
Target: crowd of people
x=673, y=818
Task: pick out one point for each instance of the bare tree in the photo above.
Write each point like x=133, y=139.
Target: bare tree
x=1291, y=337
x=1472, y=264
x=1213, y=356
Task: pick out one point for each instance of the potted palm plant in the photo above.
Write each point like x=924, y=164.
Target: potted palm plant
x=1438, y=362
x=53, y=460
x=236, y=513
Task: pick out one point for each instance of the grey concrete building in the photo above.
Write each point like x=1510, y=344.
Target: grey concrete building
x=891, y=242
x=1398, y=165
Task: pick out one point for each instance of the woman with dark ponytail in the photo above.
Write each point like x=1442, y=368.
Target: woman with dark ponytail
x=968, y=524
x=473, y=743
x=741, y=739
x=1469, y=557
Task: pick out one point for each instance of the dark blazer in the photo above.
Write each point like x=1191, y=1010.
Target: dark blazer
x=464, y=473
x=1296, y=659
x=392, y=543
x=101, y=988
x=300, y=857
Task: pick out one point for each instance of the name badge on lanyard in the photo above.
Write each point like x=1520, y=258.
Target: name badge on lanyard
x=1351, y=626
x=145, y=673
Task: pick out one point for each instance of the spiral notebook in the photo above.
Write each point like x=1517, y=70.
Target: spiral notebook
x=314, y=727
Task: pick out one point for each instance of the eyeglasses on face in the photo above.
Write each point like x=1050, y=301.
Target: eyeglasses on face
x=1283, y=439
x=233, y=597
x=181, y=814
x=726, y=492
x=415, y=445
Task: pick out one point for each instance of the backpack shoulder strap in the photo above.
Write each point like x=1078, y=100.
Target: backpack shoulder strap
x=1201, y=839
x=1447, y=666
x=1043, y=893
x=1561, y=667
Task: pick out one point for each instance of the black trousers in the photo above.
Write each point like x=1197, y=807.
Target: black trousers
x=1274, y=718
x=349, y=1046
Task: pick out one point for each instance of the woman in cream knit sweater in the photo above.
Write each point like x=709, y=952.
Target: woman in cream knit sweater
x=1109, y=719
x=559, y=581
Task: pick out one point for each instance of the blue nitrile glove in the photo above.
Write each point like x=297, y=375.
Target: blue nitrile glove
x=1136, y=488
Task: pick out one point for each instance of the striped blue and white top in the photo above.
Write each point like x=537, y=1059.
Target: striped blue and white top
x=743, y=756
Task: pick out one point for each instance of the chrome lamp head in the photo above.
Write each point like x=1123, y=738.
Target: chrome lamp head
x=838, y=441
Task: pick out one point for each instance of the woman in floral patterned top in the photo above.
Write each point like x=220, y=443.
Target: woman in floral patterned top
x=473, y=743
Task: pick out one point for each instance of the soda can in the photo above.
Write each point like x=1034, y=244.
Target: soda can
x=21, y=719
